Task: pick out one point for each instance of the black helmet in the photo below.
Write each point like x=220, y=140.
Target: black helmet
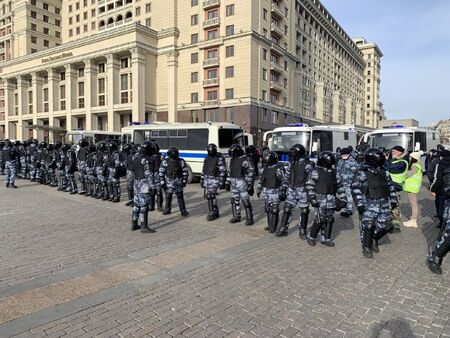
x=101, y=146
x=25, y=143
x=58, y=145
x=235, y=151
x=147, y=148
x=43, y=145
x=157, y=149
x=50, y=147
x=211, y=149
x=35, y=141
x=65, y=147
x=17, y=143
x=112, y=146
x=350, y=148
x=326, y=159
x=91, y=148
x=251, y=150
x=374, y=157
x=173, y=153
x=84, y=142
x=297, y=151
x=127, y=148
x=271, y=158
x=345, y=151
x=8, y=143
x=338, y=150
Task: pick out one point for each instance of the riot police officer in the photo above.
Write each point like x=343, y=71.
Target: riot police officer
x=2, y=162
x=269, y=186
x=297, y=172
x=323, y=186
x=143, y=180
x=81, y=163
x=128, y=151
x=213, y=177
x=173, y=175
x=61, y=162
x=32, y=152
x=158, y=158
x=10, y=156
x=347, y=166
x=40, y=162
x=240, y=181
x=101, y=171
x=50, y=166
x=115, y=171
x=374, y=194
x=71, y=168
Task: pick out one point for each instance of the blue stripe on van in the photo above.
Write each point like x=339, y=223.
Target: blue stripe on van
x=190, y=155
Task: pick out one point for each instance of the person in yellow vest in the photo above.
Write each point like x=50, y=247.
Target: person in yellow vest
x=397, y=167
x=412, y=185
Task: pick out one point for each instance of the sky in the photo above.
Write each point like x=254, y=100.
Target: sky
x=414, y=37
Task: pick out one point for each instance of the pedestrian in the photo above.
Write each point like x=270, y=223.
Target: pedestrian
x=128, y=150
x=442, y=246
x=375, y=195
x=10, y=156
x=413, y=183
x=81, y=163
x=431, y=156
x=327, y=195
x=347, y=168
x=437, y=185
x=431, y=170
x=212, y=179
x=240, y=181
x=269, y=187
x=143, y=180
x=297, y=172
x=173, y=175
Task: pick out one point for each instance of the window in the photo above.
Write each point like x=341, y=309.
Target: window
x=57, y=22
x=194, y=58
x=77, y=18
x=62, y=95
x=33, y=14
x=264, y=95
x=212, y=74
x=45, y=99
x=45, y=18
x=33, y=2
x=70, y=8
x=58, y=34
x=346, y=136
x=264, y=74
x=124, y=88
x=62, y=76
x=148, y=8
x=80, y=89
x=70, y=20
x=229, y=114
x=194, y=97
x=213, y=34
x=46, y=43
x=57, y=10
x=80, y=72
x=229, y=93
x=212, y=53
x=148, y=22
x=101, y=92
x=138, y=11
x=85, y=3
x=230, y=10
x=33, y=39
x=368, y=105
x=212, y=115
x=229, y=30
x=46, y=31
x=264, y=54
x=45, y=6
x=229, y=71
x=194, y=3
x=194, y=38
x=265, y=14
x=33, y=27
x=124, y=63
x=229, y=51
x=194, y=20
x=85, y=15
x=92, y=13
x=212, y=95
x=93, y=25
x=368, y=80
x=194, y=77
x=85, y=28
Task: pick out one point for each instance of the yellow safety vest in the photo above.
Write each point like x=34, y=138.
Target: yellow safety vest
x=400, y=178
x=414, y=183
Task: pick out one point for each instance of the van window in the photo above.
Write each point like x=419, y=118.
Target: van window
x=324, y=140
x=198, y=139
x=227, y=136
x=346, y=136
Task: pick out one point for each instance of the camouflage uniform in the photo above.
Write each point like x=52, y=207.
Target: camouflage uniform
x=101, y=171
x=157, y=195
x=297, y=173
x=31, y=154
x=130, y=177
x=374, y=193
x=40, y=164
x=10, y=156
x=50, y=167
x=61, y=162
x=323, y=186
x=115, y=161
x=23, y=161
x=71, y=168
x=82, y=168
x=213, y=177
x=173, y=175
x=269, y=187
x=240, y=180
x=91, y=177
x=347, y=169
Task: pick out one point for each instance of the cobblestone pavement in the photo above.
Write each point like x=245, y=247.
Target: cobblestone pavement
x=71, y=267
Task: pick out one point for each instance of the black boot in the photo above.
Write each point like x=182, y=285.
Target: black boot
x=303, y=234
x=151, y=206
x=248, y=213
x=116, y=192
x=134, y=225
x=314, y=231
x=144, y=225
x=159, y=200
x=282, y=229
x=130, y=197
x=212, y=212
x=326, y=239
x=236, y=218
x=105, y=194
x=434, y=263
x=168, y=207
x=367, y=243
x=269, y=221
x=182, y=204
x=274, y=221
x=83, y=187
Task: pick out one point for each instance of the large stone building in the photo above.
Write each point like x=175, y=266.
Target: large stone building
x=101, y=64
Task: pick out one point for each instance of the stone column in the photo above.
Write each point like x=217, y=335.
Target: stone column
x=8, y=87
x=320, y=93
x=138, y=83
x=90, y=91
x=172, y=86
x=37, y=87
x=71, y=97
x=349, y=118
x=53, y=95
x=112, y=79
x=336, y=106
x=22, y=92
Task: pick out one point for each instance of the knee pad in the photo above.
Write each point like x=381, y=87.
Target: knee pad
x=246, y=203
x=274, y=209
x=287, y=208
x=369, y=225
x=267, y=208
x=209, y=196
x=304, y=211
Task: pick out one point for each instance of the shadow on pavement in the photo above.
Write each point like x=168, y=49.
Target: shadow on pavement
x=397, y=327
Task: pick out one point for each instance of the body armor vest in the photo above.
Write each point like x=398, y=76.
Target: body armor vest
x=298, y=174
x=8, y=155
x=327, y=183
x=236, y=170
x=138, y=168
x=174, y=169
x=157, y=162
x=377, y=185
x=82, y=154
x=210, y=166
x=270, y=179
x=129, y=162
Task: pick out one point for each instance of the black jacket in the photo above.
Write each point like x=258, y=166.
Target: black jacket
x=437, y=185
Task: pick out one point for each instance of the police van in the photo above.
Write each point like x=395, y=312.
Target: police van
x=190, y=138
x=93, y=136
x=315, y=139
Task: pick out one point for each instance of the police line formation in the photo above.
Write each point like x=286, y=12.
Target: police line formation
x=331, y=185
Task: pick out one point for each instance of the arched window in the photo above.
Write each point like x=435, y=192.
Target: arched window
x=119, y=18
x=128, y=1
x=128, y=15
x=110, y=21
x=102, y=23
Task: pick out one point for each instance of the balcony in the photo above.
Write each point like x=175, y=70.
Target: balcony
x=210, y=43
x=277, y=12
x=276, y=29
x=211, y=22
x=276, y=67
x=277, y=48
x=210, y=4
x=211, y=82
x=276, y=86
x=213, y=62
x=210, y=104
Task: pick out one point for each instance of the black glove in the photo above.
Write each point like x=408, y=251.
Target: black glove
x=251, y=190
x=258, y=193
x=394, y=205
x=223, y=185
x=227, y=186
x=340, y=204
x=163, y=186
x=361, y=209
x=314, y=203
x=282, y=196
x=202, y=183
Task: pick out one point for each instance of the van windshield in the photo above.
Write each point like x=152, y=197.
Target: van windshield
x=227, y=137
x=390, y=140
x=284, y=140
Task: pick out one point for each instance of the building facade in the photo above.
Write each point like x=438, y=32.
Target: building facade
x=260, y=64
